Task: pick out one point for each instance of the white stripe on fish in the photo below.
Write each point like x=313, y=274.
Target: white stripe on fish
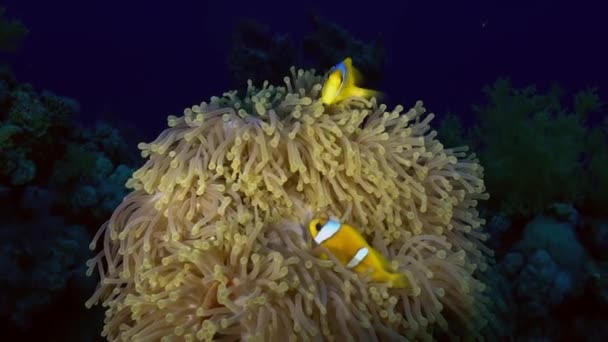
x=359, y=256
x=327, y=231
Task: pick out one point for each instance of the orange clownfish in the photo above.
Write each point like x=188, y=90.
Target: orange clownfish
x=341, y=84
x=351, y=249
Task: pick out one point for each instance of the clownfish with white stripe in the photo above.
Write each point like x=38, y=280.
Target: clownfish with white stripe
x=351, y=249
x=341, y=83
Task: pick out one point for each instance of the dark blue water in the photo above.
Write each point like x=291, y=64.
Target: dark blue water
x=142, y=61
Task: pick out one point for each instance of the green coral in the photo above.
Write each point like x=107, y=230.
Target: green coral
x=24, y=173
x=7, y=131
x=451, y=131
x=11, y=33
x=531, y=148
x=598, y=167
x=535, y=151
x=15, y=165
x=62, y=108
x=29, y=112
x=77, y=163
x=587, y=101
x=597, y=186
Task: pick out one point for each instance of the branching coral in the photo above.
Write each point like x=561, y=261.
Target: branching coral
x=210, y=245
x=11, y=33
x=531, y=148
x=29, y=112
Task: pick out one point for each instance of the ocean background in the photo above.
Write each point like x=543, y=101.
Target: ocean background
x=128, y=65
x=143, y=61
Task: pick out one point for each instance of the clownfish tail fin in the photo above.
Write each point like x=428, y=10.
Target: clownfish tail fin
x=364, y=92
x=399, y=280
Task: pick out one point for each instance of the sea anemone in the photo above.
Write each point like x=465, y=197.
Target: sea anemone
x=210, y=244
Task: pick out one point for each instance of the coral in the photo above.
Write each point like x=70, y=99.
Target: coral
x=556, y=238
x=28, y=112
x=82, y=163
x=45, y=229
x=36, y=201
x=112, y=191
x=498, y=227
x=94, y=185
x=61, y=108
x=596, y=238
x=11, y=33
x=38, y=259
x=531, y=149
x=530, y=288
x=597, y=184
x=109, y=140
x=85, y=196
x=512, y=263
x=210, y=244
x=587, y=101
x=8, y=162
x=330, y=44
x=258, y=55
x=6, y=132
x=503, y=305
x=554, y=144
x=599, y=282
x=77, y=163
x=541, y=285
x=564, y=212
x=103, y=167
x=451, y=132
x=37, y=114
x=548, y=277
x=24, y=172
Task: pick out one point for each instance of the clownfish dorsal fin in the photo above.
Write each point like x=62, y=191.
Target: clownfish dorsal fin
x=354, y=76
x=342, y=69
x=347, y=72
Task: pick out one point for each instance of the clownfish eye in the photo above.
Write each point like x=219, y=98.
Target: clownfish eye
x=318, y=226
